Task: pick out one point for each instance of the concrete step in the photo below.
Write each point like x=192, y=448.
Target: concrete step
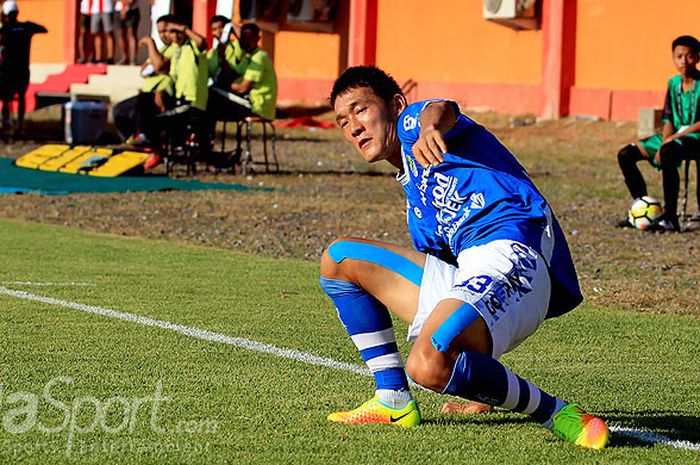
x=40, y=71
x=119, y=83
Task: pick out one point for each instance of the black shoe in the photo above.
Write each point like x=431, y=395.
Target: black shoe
x=669, y=224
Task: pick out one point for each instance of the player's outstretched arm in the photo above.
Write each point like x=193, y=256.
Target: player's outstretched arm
x=435, y=120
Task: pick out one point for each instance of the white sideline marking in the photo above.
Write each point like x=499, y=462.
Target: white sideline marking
x=194, y=332
x=292, y=354
x=648, y=436
x=35, y=283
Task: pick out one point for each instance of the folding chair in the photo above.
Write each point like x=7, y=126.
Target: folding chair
x=247, y=162
x=684, y=201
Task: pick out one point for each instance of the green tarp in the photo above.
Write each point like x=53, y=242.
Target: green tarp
x=20, y=180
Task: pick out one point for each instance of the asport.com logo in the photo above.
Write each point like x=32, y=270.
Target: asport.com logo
x=114, y=425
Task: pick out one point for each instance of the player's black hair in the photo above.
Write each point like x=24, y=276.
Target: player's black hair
x=686, y=41
x=166, y=19
x=182, y=20
x=219, y=19
x=376, y=79
x=252, y=27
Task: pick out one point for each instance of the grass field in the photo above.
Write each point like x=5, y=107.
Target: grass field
x=229, y=404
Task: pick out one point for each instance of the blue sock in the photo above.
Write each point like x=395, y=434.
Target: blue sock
x=482, y=378
x=368, y=323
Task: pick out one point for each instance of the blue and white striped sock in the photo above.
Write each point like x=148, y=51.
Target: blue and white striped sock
x=368, y=323
x=482, y=378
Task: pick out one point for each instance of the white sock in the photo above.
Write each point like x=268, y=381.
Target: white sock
x=394, y=399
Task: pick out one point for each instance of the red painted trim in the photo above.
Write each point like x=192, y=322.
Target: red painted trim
x=202, y=11
x=614, y=104
x=362, y=46
x=558, y=56
x=70, y=41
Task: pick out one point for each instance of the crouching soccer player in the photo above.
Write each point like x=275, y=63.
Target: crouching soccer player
x=491, y=263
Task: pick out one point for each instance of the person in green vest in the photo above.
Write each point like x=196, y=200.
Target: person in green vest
x=225, y=57
x=255, y=92
x=133, y=115
x=679, y=139
x=188, y=67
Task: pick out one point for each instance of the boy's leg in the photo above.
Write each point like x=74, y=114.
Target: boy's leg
x=672, y=155
x=452, y=354
x=627, y=158
x=365, y=279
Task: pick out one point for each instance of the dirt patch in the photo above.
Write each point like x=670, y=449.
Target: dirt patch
x=326, y=191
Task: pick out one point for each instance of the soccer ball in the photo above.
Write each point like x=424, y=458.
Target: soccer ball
x=644, y=212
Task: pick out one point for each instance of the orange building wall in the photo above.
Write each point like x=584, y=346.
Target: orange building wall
x=307, y=55
x=46, y=48
x=626, y=44
x=306, y=64
x=623, y=53
x=453, y=43
x=453, y=51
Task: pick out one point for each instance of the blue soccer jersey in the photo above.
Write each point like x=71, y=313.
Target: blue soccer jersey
x=479, y=194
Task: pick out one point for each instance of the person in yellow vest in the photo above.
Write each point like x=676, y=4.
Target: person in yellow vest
x=225, y=57
x=132, y=116
x=189, y=71
x=188, y=67
x=255, y=92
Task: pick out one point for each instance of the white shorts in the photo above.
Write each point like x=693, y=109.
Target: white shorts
x=507, y=282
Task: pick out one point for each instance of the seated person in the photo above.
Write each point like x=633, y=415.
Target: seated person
x=255, y=93
x=679, y=139
x=189, y=72
x=225, y=58
x=132, y=114
x=15, y=41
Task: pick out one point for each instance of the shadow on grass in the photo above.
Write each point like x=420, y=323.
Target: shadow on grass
x=675, y=425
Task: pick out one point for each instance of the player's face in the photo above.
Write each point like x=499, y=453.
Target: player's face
x=249, y=40
x=367, y=122
x=217, y=28
x=163, y=32
x=685, y=59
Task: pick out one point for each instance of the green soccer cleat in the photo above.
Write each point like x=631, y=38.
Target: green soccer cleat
x=373, y=411
x=571, y=423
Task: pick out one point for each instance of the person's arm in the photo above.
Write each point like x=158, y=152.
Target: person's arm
x=36, y=28
x=159, y=62
x=243, y=87
x=435, y=120
x=197, y=39
x=226, y=68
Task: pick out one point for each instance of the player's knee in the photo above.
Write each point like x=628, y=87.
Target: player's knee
x=329, y=267
x=626, y=155
x=429, y=368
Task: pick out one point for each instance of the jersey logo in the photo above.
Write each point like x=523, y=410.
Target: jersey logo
x=478, y=201
x=418, y=213
x=412, y=166
x=409, y=122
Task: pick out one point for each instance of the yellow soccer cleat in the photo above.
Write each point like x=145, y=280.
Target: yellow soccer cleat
x=571, y=423
x=373, y=411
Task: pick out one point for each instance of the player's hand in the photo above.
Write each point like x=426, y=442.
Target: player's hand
x=430, y=147
x=144, y=41
x=470, y=408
